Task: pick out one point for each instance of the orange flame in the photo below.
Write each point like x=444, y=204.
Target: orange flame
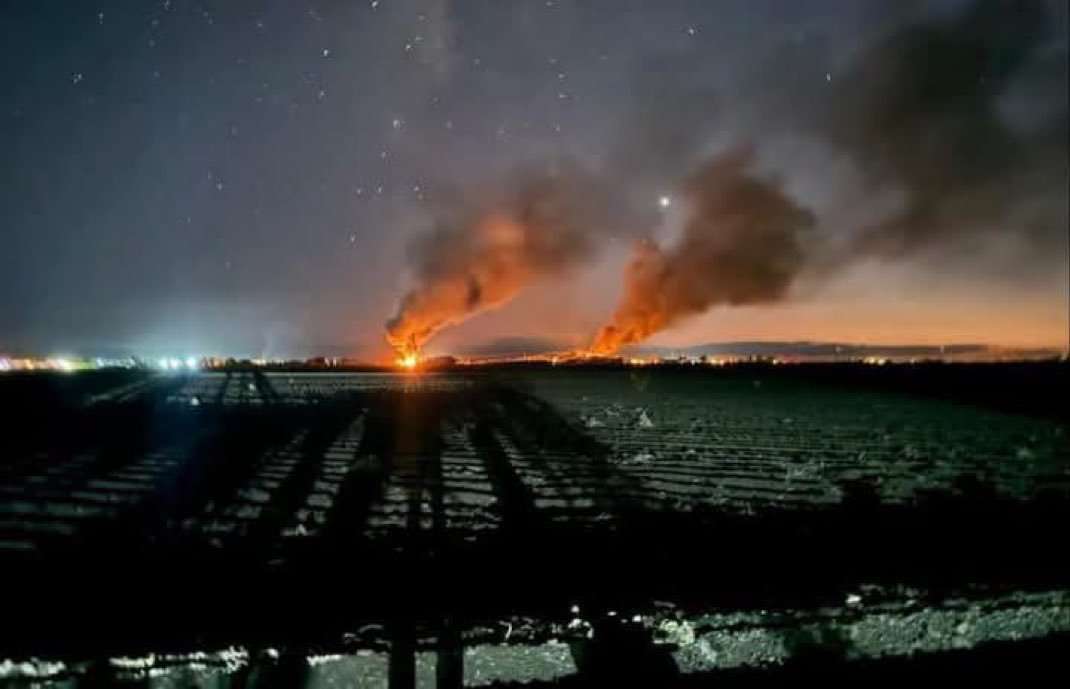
x=408, y=354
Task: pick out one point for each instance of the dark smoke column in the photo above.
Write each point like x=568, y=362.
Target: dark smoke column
x=479, y=259
x=463, y=274
x=741, y=245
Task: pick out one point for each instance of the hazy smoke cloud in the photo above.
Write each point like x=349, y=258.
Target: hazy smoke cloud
x=930, y=109
x=742, y=244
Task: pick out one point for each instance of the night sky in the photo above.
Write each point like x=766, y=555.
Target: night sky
x=259, y=178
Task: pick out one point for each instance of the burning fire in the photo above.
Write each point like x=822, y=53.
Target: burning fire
x=407, y=350
x=479, y=257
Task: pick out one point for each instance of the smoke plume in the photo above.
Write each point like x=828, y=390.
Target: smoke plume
x=742, y=244
x=927, y=110
x=478, y=258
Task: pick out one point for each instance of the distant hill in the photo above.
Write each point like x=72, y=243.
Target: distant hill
x=832, y=350
x=802, y=349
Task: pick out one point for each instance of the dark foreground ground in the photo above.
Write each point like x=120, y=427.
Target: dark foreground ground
x=558, y=527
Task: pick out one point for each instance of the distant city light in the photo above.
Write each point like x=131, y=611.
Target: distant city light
x=174, y=364
x=191, y=362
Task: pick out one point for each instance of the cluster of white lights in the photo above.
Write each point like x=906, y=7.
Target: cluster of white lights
x=172, y=364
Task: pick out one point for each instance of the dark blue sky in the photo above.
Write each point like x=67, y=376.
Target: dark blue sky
x=244, y=177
